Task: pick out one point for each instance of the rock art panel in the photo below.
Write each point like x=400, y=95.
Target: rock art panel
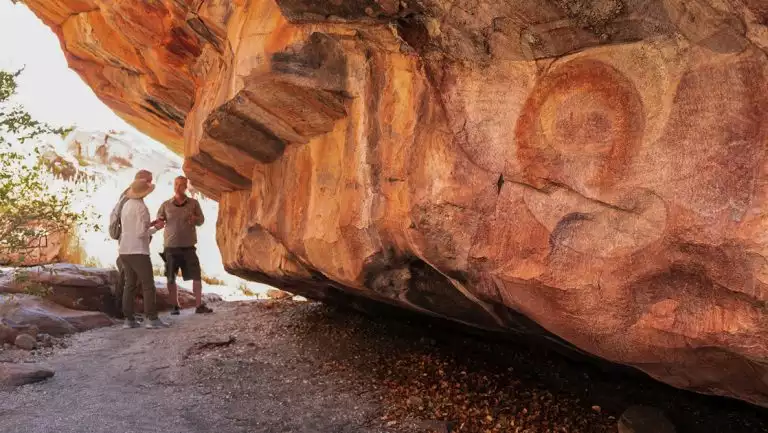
x=591, y=174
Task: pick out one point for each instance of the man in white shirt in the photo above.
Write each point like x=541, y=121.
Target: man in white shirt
x=134, y=254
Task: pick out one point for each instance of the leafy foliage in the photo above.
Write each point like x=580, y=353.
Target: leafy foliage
x=30, y=209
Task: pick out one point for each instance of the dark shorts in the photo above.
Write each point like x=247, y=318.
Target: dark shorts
x=184, y=259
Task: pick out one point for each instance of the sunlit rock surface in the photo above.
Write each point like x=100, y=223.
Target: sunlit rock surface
x=595, y=166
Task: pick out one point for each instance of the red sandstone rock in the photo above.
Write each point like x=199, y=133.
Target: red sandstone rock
x=12, y=375
x=84, y=289
x=278, y=294
x=598, y=167
x=23, y=311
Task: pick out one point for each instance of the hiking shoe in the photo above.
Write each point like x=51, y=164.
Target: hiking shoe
x=176, y=311
x=129, y=324
x=203, y=309
x=155, y=324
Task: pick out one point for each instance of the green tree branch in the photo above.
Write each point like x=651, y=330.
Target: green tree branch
x=29, y=209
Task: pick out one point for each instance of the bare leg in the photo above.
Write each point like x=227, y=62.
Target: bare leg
x=173, y=293
x=197, y=289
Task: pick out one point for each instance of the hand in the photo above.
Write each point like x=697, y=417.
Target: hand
x=192, y=219
x=159, y=224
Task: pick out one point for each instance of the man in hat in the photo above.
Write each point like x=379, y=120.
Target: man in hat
x=183, y=215
x=146, y=176
x=134, y=254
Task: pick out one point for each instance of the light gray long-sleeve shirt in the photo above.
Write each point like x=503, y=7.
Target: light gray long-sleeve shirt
x=135, y=233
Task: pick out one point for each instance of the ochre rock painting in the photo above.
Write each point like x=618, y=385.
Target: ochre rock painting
x=591, y=172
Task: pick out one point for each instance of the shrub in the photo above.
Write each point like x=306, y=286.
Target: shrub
x=30, y=210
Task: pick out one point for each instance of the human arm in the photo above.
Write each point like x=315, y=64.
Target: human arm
x=198, y=217
x=151, y=227
x=160, y=221
x=161, y=215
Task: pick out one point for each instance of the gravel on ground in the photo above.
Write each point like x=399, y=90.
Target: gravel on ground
x=283, y=366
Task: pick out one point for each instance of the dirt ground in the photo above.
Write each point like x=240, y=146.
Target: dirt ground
x=305, y=367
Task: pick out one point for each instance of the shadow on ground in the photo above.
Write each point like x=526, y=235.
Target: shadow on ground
x=305, y=367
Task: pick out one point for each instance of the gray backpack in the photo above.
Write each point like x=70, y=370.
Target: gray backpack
x=115, y=226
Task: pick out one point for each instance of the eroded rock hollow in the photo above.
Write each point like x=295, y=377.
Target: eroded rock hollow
x=597, y=166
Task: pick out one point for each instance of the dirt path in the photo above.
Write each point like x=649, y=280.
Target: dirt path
x=304, y=367
x=121, y=381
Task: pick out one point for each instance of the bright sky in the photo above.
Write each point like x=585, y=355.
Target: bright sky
x=48, y=89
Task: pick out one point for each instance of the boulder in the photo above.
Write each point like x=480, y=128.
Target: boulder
x=277, y=294
x=644, y=419
x=71, y=286
x=212, y=298
x=591, y=174
x=23, y=312
x=26, y=342
x=56, y=275
x=7, y=333
x=22, y=374
x=83, y=288
x=186, y=298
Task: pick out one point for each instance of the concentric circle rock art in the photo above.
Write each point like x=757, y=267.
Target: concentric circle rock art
x=580, y=126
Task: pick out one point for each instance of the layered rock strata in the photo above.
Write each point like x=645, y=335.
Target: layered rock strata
x=597, y=166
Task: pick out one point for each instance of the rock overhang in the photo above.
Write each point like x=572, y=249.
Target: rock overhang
x=597, y=167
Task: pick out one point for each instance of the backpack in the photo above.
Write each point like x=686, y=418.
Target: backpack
x=115, y=225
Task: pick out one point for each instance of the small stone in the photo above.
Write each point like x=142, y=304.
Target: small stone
x=433, y=27
x=644, y=419
x=415, y=401
x=45, y=340
x=26, y=342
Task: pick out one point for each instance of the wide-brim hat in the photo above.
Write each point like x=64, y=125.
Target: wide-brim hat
x=139, y=189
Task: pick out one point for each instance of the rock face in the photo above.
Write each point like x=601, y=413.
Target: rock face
x=596, y=166
x=23, y=311
x=41, y=252
x=12, y=375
